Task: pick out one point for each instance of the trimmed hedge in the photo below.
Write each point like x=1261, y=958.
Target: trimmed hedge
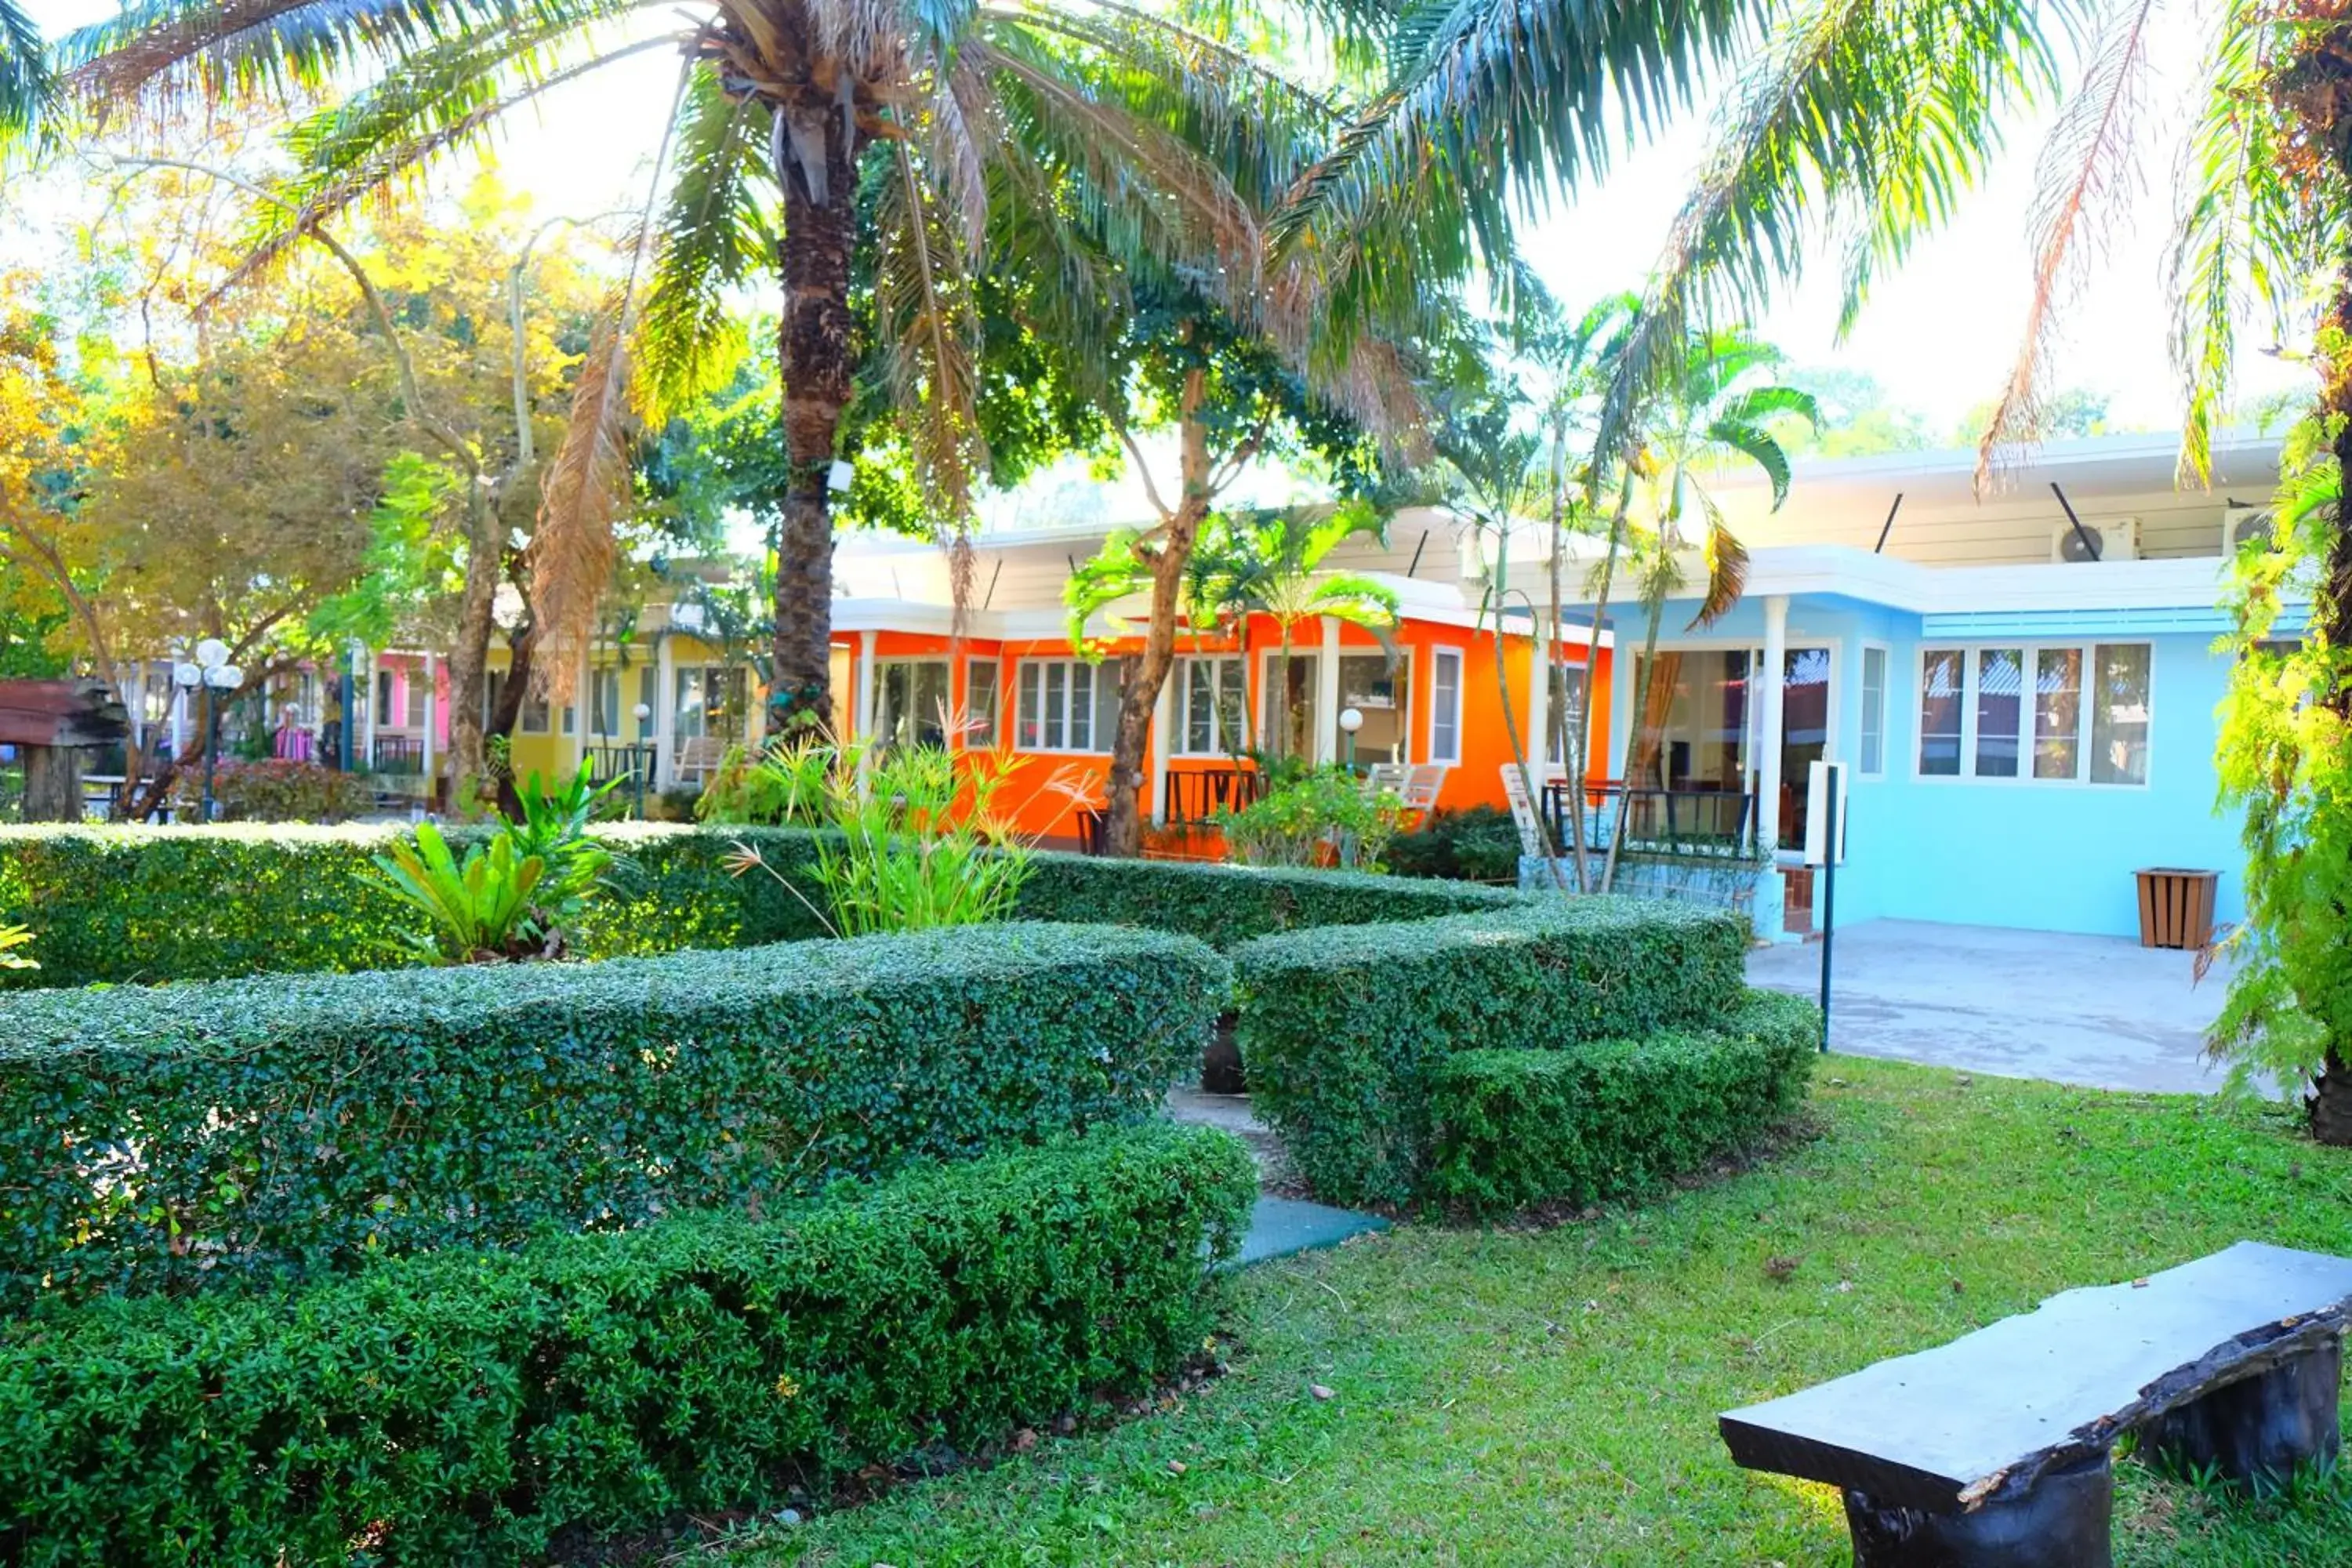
x=468, y=1407
x=144, y=905
x=150, y=904
x=1341, y=1025
x=157, y=1136
x=1611, y=1117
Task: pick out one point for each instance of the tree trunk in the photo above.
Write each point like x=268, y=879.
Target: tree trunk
x=816, y=351
x=1599, y=625
x=522, y=651
x=52, y=784
x=469, y=659
x=1123, y=824
x=1641, y=734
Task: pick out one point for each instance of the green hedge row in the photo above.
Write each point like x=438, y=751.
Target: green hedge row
x=468, y=1407
x=156, y=1136
x=1340, y=1027
x=1611, y=1117
x=146, y=904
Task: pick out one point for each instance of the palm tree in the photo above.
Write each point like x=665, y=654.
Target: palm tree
x=1270, y=562
x=1718, y=410
x=24, y=69
x=815, y=137
x=1869, y=117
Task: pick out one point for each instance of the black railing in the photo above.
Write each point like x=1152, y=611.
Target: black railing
x=1193, y=796
x=398, y=754
x=1675, y=821
x=609, y=762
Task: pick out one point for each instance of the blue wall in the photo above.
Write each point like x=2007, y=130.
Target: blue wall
x=2039, y=857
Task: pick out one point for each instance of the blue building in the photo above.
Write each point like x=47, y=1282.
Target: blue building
x=2025, y=699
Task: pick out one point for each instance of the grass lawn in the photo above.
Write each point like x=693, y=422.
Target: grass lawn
x=1550, y=1397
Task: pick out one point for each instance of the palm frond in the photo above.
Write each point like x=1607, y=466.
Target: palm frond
x=1757, y=444
x=1866, y=117
x=1727, y=572
x=572, y=552
x=2085, y=180
x=26, y=81
x=716, y=229
x=2242, y=238
x=926, y=327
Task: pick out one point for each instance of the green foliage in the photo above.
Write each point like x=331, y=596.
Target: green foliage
x=1321, y=816
x=12, y=940
x=467, y=1407
x=409, y=563
x=480, y=909
x=1342, y=1026
x=1228, y=905
x=2284, y=755
x=267, y=790
x=164, y=1136
x=916, y=844
x=785, y=783
x=1607, y=1119
x=1476, y=844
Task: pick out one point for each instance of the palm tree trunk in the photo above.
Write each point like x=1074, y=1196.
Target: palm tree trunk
x=1600, y=624
x=817, y=351
x=1640, y=737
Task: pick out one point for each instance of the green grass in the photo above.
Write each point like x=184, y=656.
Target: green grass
x=1549, y=1397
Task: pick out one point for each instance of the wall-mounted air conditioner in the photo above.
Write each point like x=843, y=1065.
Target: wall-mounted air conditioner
x=2240, y=524
x=2117, y=538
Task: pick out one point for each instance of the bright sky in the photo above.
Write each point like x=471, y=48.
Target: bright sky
x=1938, y=335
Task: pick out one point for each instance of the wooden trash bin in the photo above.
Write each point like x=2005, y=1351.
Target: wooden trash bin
x=2176, y=907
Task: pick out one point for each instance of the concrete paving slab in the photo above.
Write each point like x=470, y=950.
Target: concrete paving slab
x=1282, y=1226
x=2101, y=1012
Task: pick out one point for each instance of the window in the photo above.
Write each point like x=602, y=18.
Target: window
x=534, y=713
x=1212, y=694
x=980, y=704
x=1287, y=705
x=1445, y=705
x=1380, y=688
x=709, y=704
x=1873, y=712
x=604, y=702
x=910, y=702
x=2119, y=713
x=1940, y=683
x=416, y=686
x=648, y=699
x=2067, y=714
x=384, y=707
x=1566, y=726
x=1066, y=705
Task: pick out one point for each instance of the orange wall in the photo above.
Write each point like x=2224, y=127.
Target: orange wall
x=1048, y=790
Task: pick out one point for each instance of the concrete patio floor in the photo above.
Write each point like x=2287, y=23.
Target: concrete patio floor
x=2101, y=1012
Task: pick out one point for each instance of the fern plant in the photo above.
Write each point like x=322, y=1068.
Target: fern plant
x=481, y=907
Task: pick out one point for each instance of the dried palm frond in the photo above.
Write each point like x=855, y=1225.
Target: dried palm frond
x=573, y=551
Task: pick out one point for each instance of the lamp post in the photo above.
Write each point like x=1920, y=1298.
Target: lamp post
x=1350, y=720
x=642, y=763
x=212, y=674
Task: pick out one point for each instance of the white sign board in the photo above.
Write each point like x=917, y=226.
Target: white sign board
x=1822, y=778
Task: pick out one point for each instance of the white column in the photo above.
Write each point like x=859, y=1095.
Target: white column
x=1156, y=748
x=1536, y=735
x=583, y=705
x=1327, y=694
x=1772, y=693
x=861, y=705
x=431, y=710
x=366, y=737
x=665, y=713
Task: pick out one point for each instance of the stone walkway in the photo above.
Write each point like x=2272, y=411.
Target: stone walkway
x=2096, y=1011
x=1278, y=1225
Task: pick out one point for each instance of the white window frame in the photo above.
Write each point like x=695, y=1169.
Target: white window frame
x=910, y=662
x=1047, y=724
x=978, y=738
x=1885, y=692
x=1270, y=671
x=2029, y=650
x=1221, y=744
x=1439, y=657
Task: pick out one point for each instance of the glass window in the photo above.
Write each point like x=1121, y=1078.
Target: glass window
x=649, y=698
x=2058, y=713
x=980, y=703
x=1213, y=696
x=604, y=702
x=1942, y=677
x=910, y=702
x=416, y=685
x=2119, y=702
x=1286, y=714
x=1445, y=705
x=1874, y=711
x=2000, y=709
x=1064, y=705
x=1379, y=687
x=384, y=695
x=1571, y=721
x=690, y=720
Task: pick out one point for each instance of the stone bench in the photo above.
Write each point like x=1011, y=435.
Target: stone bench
x=1993, y=1451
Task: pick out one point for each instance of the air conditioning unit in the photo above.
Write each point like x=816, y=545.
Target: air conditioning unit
x=2118, y=538
x=2240, y=524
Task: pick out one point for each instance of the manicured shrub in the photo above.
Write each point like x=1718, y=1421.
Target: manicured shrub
x=1339, y=1026
x=1476, y=844
x=1607, y=1118
x=465, y=1407
x=273, y=791
x=160, y=1136
x=146, y=904
x=1225, y=905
